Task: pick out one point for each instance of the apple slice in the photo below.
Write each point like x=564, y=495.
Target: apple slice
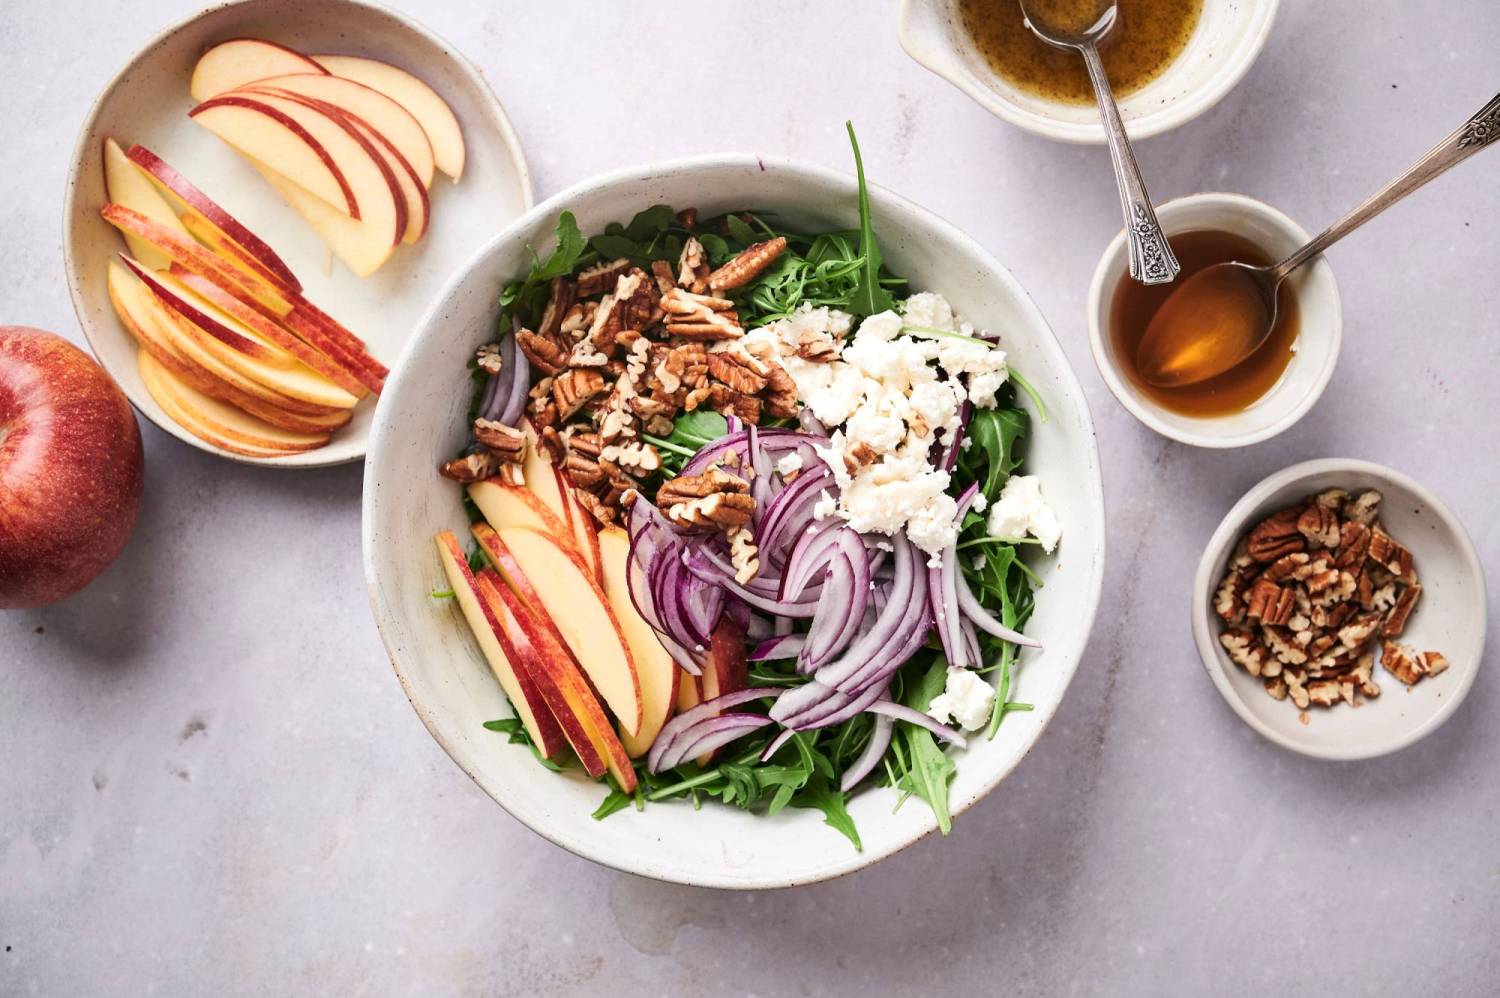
x=412, y=192
x=574, y=705
x=505, y=505
x=434, y=114
x=273, y=332
x=725, y=669
x=267, y=135
x=313, y=329
x=568, y=600
x=156, y=379
x=505, y=662
x=585, y=527
x=227, y=339
x=364, y=249
x=658, y=673
x=210, y=235
x=193, y=257
x=227, y=422
x=542, y=480
x=232, y=64
x=188, y=198
x=368, y=105
x=125, y=184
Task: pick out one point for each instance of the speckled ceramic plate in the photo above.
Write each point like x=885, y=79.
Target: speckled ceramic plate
x=405, y=503
x=147, y=102
x=1450, y=617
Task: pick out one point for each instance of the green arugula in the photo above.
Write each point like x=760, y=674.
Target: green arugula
x=525, y=299
x=869, y=295
x=690, y=433
x=927, y=769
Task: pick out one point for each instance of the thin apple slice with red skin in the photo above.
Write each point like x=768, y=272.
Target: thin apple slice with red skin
x=171, y=333
x=573, y=702
x=424, y=103
x=143, y=325
x=178, y=189
x=369, y=105
x=363, y=249
x=126, y=184
x=155, y=377
x=273, y=331
x=193, y=257
x=339, y=336
x=224, y=337
x=377, y=206
x=232, y=64
x=232, y=424
x=541, y=477
x=659, y=674
x=265, y=134
x=210, y=235
x=504, y=659
x=585, y=528
x=506, y=505
x=568, y=600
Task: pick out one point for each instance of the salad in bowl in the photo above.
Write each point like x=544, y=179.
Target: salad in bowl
x=754, y=522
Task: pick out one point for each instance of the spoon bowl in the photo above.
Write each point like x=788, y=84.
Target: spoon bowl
x=1070, y=25
x=1219, y=316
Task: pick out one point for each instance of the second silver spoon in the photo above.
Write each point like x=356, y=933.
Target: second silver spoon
x=1151, y=258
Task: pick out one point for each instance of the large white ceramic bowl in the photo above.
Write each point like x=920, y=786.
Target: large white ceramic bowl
x=147, y=102
x=422, y=422
x=1320, y=328
x=1450, y=617
x=1229, y=36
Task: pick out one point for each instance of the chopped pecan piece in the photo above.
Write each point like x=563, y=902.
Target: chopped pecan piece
x=475, y=466
x=602, y=512
x=738, y=370
x=1269, y=603
x=1286, y=567
x=744, y=554
x=487, y=357
x=1320, y=525
x=505, y=442
x=552, y=443
x=545, y=355
x=1363, y=508
x=1395, y=620
x=692, y=266
x=600, y=277
x=748, y=265
x=1391, y=556
x=661, y=272
x=724, y=510
x=582, y=470
x=1323, y=692
x=575, y=388
x=1403, y=662
x=1283, y=644
x=1359, y=630
x=700, y=317
x=558, y=306
x=638, y=458
x=1276, y=687
x=781, y=393
x=1277, y=535
x=1434, y=662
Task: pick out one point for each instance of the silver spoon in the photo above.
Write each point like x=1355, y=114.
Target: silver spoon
x=1222, y=314
x=1151, y=258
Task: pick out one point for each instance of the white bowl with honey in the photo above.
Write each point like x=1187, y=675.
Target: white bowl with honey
x=1168, y=61
x=1266, y=393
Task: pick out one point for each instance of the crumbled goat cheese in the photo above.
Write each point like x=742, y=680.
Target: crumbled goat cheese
x=1021, y=510
x=966, y=700
x=892, y=397
x=789, y=463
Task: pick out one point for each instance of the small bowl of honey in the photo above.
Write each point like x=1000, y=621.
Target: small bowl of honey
x=1268, y=391
x=1168, y=61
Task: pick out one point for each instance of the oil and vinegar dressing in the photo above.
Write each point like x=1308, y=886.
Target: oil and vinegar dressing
x=1235, y=390
x=1149, y=36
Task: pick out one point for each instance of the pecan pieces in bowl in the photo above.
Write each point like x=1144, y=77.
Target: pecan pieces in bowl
x=1308, y=594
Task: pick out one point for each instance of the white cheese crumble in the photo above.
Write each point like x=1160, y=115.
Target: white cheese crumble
x=790, y=462
x=894, y=397
x=1021, y=510
x=966, y=700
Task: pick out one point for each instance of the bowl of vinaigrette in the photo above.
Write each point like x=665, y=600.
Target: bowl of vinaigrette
x=1264, y=394
x=1168, y=60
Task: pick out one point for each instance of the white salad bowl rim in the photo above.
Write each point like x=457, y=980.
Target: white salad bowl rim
x=563, y=830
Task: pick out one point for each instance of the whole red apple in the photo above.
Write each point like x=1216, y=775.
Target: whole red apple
x=71, y=468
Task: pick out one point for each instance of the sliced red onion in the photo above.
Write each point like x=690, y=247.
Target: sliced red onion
x=810, y=423
x=707, y=736
x=950, y=452
x=760, y=482
x=699, y=565
x=878, y=671
x=776, y=440
x=776, y=743
x=780, y=646
x=880, y=740
x=810, y=555
x=906, y=608
x=790, y=512
x=487, y=404
x=970, y=641
x=841, y=610
x=520, y=387
x=674, y=728
x=836, y=708
x=901, y=712
x=975, y=612
x=943, y=581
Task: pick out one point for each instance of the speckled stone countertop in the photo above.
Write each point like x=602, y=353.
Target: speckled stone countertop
x=211, y=783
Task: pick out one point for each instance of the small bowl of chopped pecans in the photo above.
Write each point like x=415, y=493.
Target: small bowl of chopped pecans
x=1340, y=609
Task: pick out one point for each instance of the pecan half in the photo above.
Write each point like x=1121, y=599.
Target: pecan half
x=700, y=317
x=505, y=442
x=738, y=370
x=1277, y=535
x=1406, y=602
x=1269, y=603
x=473, y=467
x=1320, y=525
x=558, y=305
x=747, y=265
x=575, y=388
x=600, y=277
x=545, y=355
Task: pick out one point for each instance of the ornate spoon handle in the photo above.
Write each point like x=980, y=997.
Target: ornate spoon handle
x=1151, y=258
x=1463, y=142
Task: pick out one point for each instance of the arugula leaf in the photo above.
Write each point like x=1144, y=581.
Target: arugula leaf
x=740, y=232
x=649, y=223
x=570, y=246
x=928, y=768
x=690, y=433
x=615, y=800
x=518, y=735
x=869, y=297
x=822, y=795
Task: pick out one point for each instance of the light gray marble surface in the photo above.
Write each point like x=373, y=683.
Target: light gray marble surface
x=210, y=782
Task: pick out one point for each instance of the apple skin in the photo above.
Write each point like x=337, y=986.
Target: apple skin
x=71, y=468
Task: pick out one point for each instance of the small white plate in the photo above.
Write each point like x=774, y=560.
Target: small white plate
x=1450, y=617
x=147, y=102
